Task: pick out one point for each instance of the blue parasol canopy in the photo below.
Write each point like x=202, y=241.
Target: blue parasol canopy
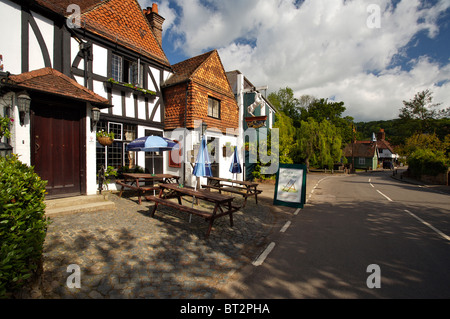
x=202, y=165
x=152, y=144
x=235, y=167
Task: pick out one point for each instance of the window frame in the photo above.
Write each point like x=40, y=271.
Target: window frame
x=211, y=114
x=108, y=155
x=119, y=59
x=127, y=70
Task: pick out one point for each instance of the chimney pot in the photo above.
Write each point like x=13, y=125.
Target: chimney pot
x=155, y=20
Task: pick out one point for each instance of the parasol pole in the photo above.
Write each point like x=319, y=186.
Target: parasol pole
x=153, y=170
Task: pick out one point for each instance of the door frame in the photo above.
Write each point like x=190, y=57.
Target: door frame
x=159, y=158
x=45, y=100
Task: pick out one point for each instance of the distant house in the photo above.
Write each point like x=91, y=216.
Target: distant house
x=199, y=93
x=386, y=152
x=364, y=155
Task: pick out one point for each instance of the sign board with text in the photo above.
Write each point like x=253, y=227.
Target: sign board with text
x=290, y=188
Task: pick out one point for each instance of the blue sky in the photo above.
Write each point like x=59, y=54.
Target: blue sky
x=371, y=54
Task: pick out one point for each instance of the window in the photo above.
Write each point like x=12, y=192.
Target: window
x=116, y=155
x=213, y=108
x=362, y=161
x=136, y=73
x=116, y=70
x=117, y=129
x=127, y=71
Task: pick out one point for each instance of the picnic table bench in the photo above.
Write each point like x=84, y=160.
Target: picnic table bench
x=222, y=204
x=134, y=181
x=243, y=188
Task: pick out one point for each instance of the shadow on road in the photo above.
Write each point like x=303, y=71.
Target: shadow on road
x=326, y=252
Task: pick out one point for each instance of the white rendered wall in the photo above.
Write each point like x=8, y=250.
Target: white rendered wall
x=91, y=157
x=74, y=49
x=141, y=108
x=100, y=62
x=10, y=20
x=36, y=59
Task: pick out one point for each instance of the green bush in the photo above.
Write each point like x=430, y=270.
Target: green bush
x=23, y=224
x=427, y=162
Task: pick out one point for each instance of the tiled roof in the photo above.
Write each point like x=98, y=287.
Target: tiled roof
x=123, y=22
x=360, y=150
x=205, y=69
x=381, y=144
x=60, y=6
x=184, y=71
x=120, y=21
x=51, y=81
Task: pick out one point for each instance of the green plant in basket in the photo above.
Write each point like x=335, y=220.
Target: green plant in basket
x=102, y=133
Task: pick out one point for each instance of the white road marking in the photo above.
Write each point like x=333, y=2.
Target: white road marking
x=429, y=225
x=263, y=256
x=385, y=196
x=285, y=227
x=372, y=185
x=297, y=211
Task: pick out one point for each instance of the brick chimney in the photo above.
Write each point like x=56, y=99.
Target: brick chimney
x=155, y=20
x=381, y=136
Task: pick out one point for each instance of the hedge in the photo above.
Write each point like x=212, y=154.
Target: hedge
x=427, y=162
x=23, y=224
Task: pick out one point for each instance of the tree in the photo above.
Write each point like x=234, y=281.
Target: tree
x=319, y=144
x=421, y=110
x=307, y=139
x=422, y=141
x=287, y=134
x=285, y=102
x=322, y=109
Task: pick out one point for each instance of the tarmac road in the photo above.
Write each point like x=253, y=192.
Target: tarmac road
x=359, y=236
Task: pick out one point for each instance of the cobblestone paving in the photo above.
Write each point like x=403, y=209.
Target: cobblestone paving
x=124, y=253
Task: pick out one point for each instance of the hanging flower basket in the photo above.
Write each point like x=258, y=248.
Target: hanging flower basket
x=105, y=141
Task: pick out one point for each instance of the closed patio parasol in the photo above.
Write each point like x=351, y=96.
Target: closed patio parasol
x=202, y=166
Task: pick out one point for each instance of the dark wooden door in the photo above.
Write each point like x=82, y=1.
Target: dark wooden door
x=57, y=148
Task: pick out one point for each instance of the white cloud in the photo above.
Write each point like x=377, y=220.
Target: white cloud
x=323, y=48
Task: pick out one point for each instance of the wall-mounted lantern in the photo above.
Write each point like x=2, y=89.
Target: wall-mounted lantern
x=95, y=117
x=23, y=104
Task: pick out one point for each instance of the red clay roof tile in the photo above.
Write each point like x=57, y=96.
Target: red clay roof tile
x=123, y=22
x=49, y=80
x=120, y=21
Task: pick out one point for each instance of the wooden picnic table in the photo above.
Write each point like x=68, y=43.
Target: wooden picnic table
x=222, y=203
x=134, y=180
x=243, y=188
